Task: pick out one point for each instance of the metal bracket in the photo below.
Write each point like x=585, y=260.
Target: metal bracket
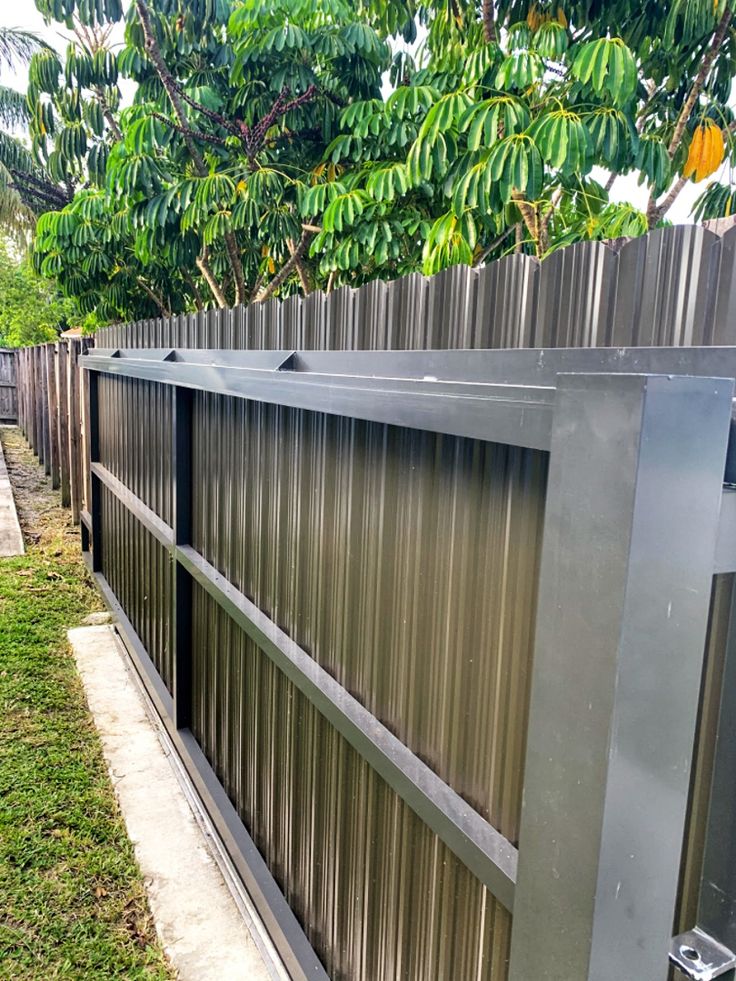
x=700, y=957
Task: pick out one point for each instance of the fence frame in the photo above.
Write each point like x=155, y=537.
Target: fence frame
x=635, y=423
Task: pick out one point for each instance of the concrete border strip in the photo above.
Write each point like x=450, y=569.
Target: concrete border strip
x=11, y=537
x=206, y=930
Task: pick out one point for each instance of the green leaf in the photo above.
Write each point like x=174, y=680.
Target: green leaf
x=519, y=71
x=608, y=67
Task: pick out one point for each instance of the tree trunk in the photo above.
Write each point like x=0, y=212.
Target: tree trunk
x=209, y=277
x=489, y=22
x=286, y=269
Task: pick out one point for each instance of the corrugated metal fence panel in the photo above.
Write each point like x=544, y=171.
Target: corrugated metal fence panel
x=379, y=895
x=675, y=286
x=406, y=565
x=140, y=573
x=135, y=438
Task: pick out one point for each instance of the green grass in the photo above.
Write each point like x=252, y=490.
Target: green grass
x=72, y=903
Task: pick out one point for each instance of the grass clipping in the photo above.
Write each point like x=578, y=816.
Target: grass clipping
x=72, y=899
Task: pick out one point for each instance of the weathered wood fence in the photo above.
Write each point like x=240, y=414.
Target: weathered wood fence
x=8, y=387
x=51, y=413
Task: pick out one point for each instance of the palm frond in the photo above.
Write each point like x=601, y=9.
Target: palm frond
x=19, y=173
x=17, y=219
x=13, y=108
x=18, y=46
x=14, y=155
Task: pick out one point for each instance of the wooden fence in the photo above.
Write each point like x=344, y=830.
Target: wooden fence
x=51, y=413
x=8, y=387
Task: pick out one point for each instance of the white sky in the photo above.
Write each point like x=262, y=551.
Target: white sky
x=23, y=13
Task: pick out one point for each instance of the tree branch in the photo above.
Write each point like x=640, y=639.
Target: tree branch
x=39, y=188
x=664, y=206
x=655, y=211
x=202, y=263
x=305, y=275
x=699, y=82
x=187, y=132
x=189, y=279
x=286, y=270
x=494, y=245
x=157, y=299
x=210, y=113
x=531, y=219
x=167, y=80
x=489, y=22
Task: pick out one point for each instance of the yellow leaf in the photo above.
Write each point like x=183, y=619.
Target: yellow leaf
x=533, y=18
x=271, y=266
x=561, y=18
x=241, y=186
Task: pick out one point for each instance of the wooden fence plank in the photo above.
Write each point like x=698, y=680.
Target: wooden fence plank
x=38, y=389
x=52, y=397
x=75, y=445
x=62, y=359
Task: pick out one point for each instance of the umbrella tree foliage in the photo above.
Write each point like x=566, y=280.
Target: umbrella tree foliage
x=265, y=152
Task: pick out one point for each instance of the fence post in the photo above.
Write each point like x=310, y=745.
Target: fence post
x=45, y=420
x=75, y=446
x=21, y=383
x=62, y=358
x=182, y=473
x=38, y=406
x=92, y=418
x=53, y=412
x=633, y=501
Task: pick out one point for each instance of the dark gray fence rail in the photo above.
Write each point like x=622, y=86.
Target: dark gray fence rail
x=8, y=387
x=403, y=564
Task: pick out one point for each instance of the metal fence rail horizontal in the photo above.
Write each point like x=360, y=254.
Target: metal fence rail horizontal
x=272, y=502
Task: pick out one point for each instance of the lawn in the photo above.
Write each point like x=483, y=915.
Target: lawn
x=72, y=903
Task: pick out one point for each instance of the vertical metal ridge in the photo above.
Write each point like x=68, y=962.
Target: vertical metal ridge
x=673, y=286
x=406, y=907
x=390, y=556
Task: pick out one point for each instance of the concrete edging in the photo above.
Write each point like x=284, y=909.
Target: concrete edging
x=200, y=925
x=11, y=538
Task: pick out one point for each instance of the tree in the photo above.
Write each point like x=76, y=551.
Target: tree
x=261, y=156
x=32, y=310
x=201, y=199
x=16, y=212
x=510, y=109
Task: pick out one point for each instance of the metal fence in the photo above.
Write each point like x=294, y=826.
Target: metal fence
x=8, y=388
x=674, y=286
x=381, y=598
